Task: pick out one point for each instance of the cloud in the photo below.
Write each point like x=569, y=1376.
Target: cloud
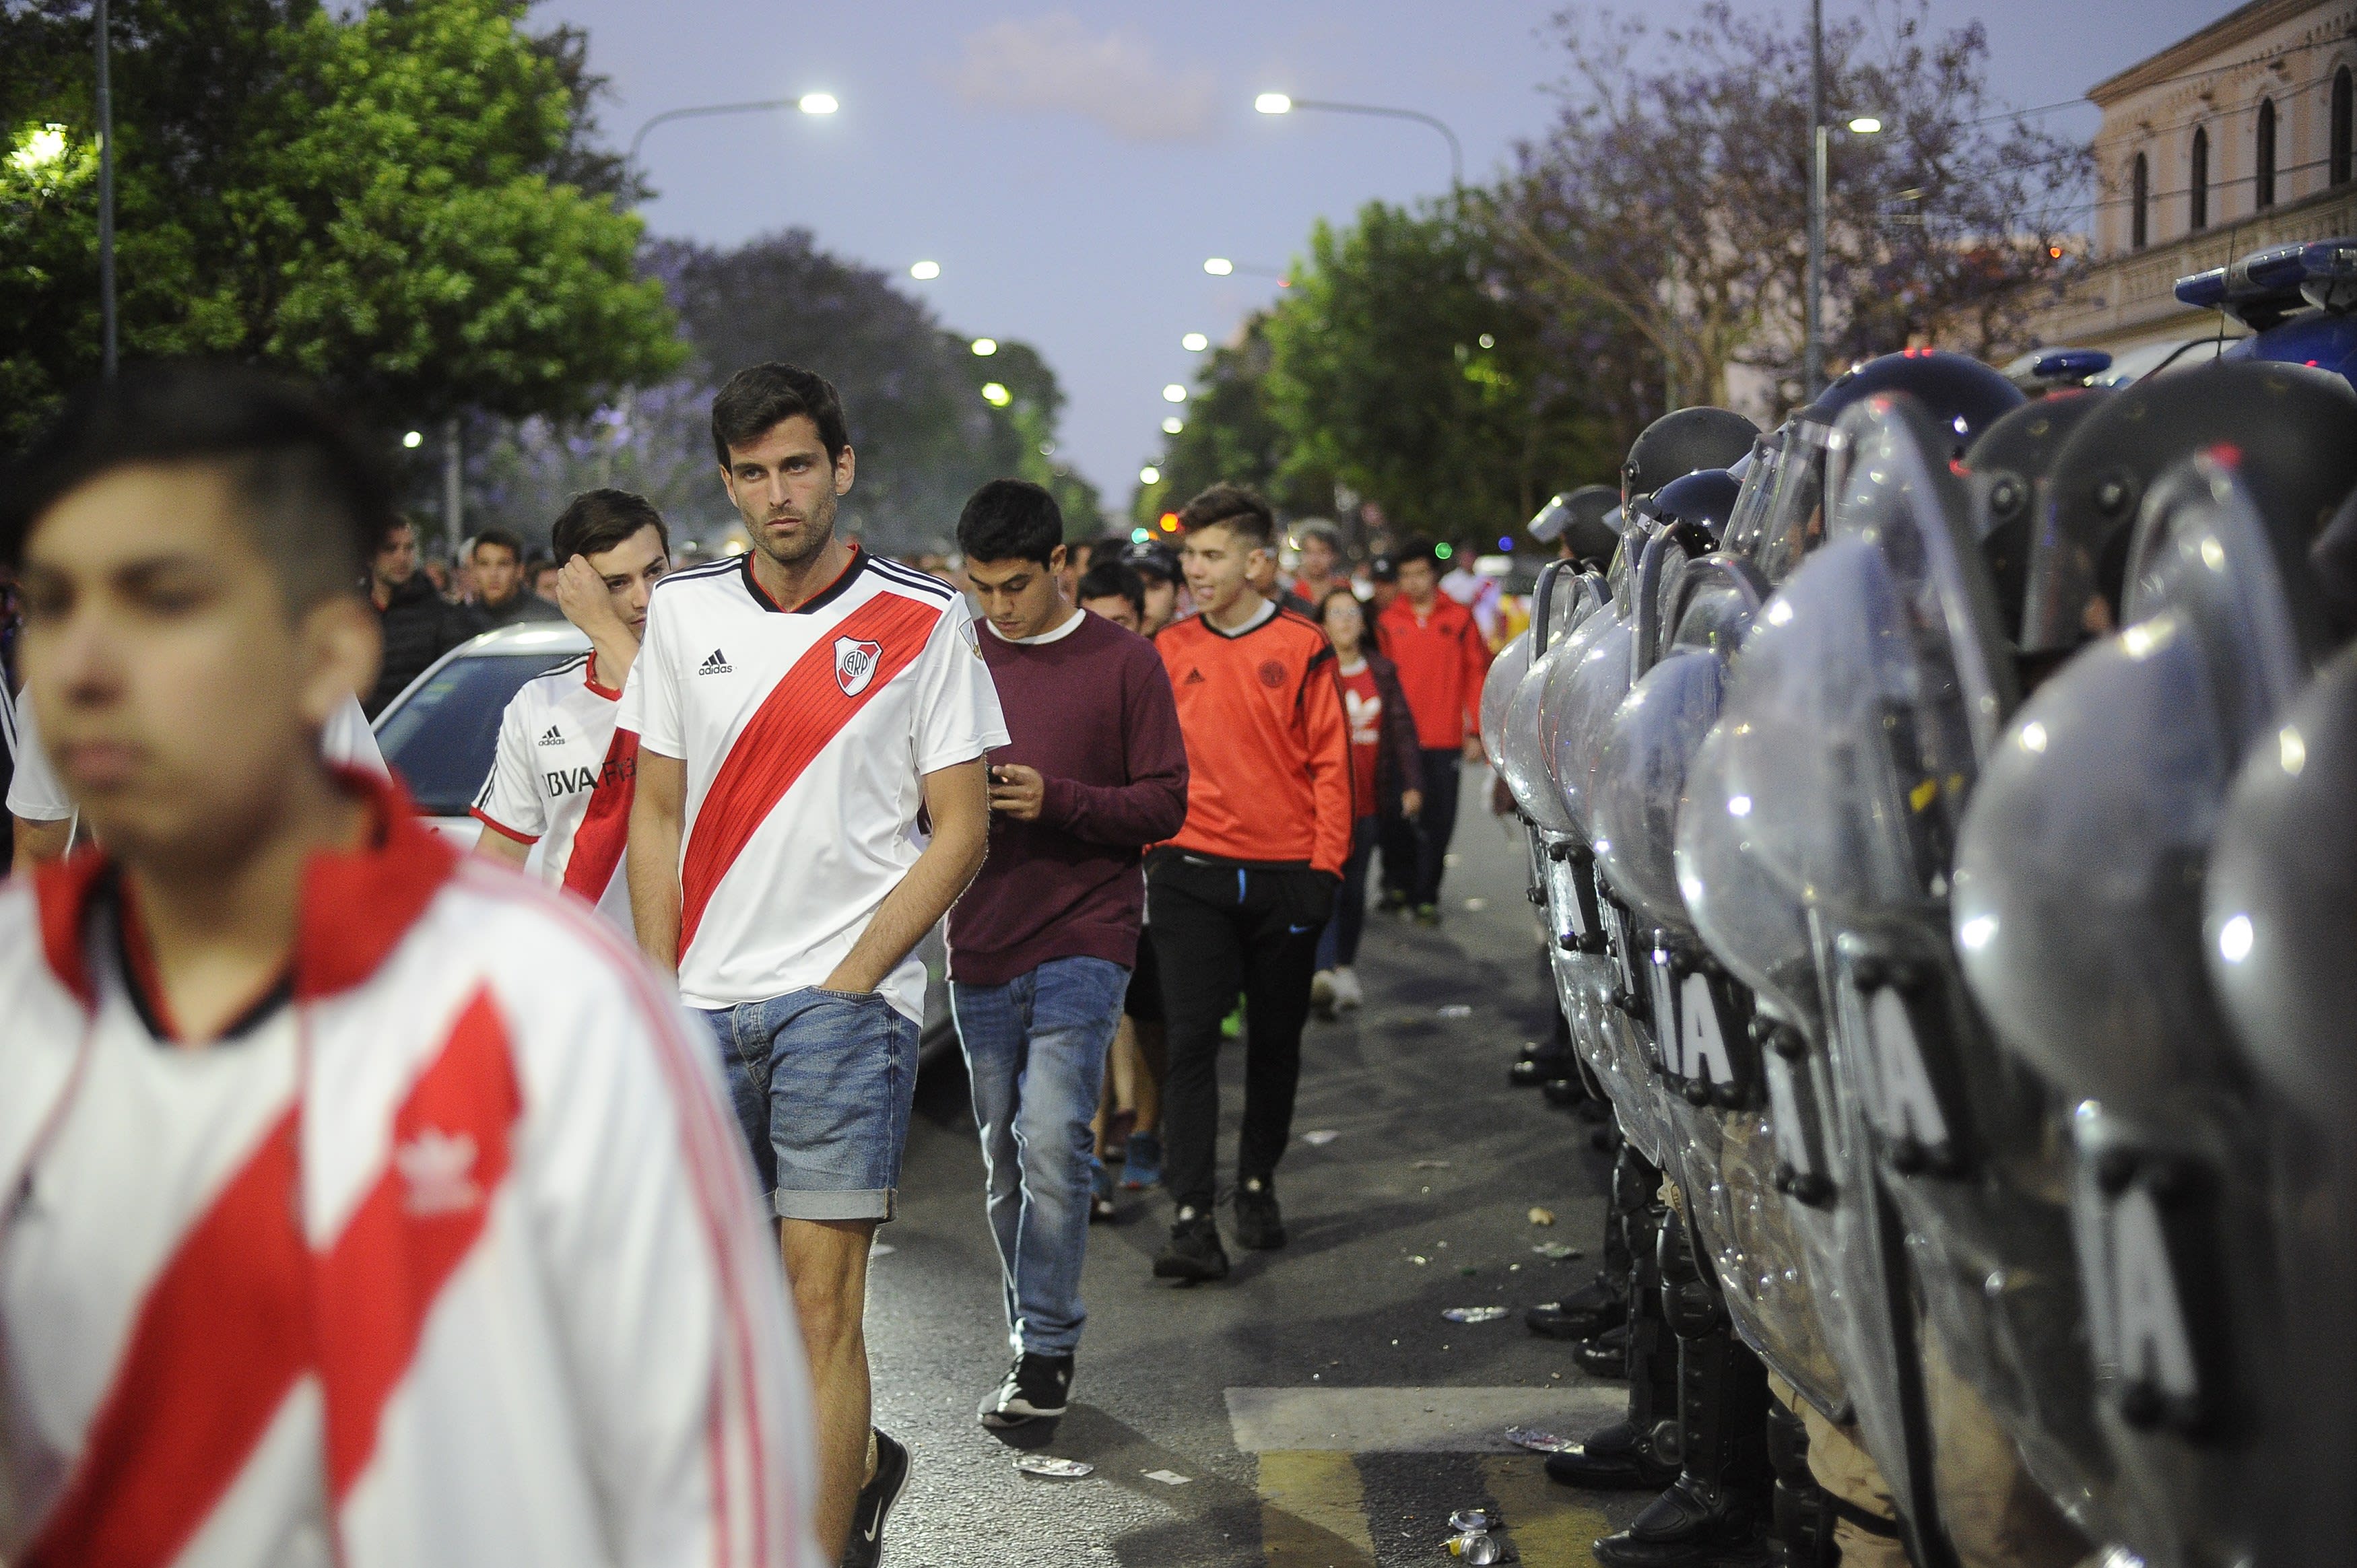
x=1053, y=62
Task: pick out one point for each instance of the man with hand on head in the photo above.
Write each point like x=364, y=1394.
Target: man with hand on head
x=564, y=772
x=1238, y=896
x=1042, y=945
x=358, y=1205
x=797, y=707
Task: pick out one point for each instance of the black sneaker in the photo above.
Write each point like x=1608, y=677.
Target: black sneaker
x=1258, y=1224
x=1035, y=1390
x=866, y=1547
x=1194, y=1252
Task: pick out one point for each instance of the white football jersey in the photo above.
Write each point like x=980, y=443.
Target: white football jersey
x=450, y=1255
x=34, y=794
x=562, y=779
x=807, y=735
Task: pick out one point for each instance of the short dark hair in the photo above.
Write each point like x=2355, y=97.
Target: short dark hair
x=1417, y=548
x=316, y=502
x=761, y=396
x=1109, y=579
x=498, y=538
x=1010, y=519
x=1235, y=508
x=595, y=521
x=1150, y=559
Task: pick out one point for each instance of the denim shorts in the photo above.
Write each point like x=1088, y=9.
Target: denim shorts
x=821, y=1082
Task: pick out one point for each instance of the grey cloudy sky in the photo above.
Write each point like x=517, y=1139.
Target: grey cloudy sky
x=1070, y=166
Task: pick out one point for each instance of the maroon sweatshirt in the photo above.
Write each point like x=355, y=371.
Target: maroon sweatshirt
x=1092, y=711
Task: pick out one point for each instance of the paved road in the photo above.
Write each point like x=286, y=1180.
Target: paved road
x=1322, y=1410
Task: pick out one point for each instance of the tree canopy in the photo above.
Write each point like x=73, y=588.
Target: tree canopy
x=404, y=202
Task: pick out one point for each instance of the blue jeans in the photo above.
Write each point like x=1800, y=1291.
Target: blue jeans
x=821, y=1082
x=1035, y=1051
x=1337, y=944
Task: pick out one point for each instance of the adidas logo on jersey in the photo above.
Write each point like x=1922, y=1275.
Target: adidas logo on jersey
x=438, y=1170
x=717, y=664
x=553, y=737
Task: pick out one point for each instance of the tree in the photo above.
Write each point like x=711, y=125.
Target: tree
x=926, y=433
x=1670, y=200
x=1406, y=365
x=1230, y=432
x=378, y=199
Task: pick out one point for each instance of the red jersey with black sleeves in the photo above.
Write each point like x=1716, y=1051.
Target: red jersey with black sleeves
x=806, y=735
x=1268, y=750
x=561, y=780
x=447, y=1251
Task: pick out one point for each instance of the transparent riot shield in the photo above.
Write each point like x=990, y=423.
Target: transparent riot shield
x=1955, y=1136
x=1802, y=691
x=2078, y=914
x=1744, y=524
x=1605, y=972
x=2278, y=932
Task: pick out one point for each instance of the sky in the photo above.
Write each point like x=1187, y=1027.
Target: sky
x=1069, y=167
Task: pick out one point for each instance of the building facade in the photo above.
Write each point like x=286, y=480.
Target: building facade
x=2232, y=139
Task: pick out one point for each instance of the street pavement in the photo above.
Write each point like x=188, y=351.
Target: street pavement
x=1319, y=1408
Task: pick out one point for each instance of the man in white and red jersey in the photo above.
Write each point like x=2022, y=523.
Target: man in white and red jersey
x=359, y=1204
x=797, y=708
x=562, y=774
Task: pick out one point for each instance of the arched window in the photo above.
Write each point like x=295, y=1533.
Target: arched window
x=2197, y=187
x=2140, y=195
x=2264, y=173
x=2340, y=115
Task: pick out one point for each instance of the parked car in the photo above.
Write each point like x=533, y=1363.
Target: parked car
x=440, y=733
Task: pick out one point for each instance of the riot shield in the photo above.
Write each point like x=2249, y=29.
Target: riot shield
x=1956, y=1134
x=2078, y=916
x=1605, y=975
x=2278, y=932
x=1803, y=692
x=1746, y=523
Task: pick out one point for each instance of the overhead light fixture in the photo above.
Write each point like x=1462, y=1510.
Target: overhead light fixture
x=818, y=103
x=1219, y=266
x=925, y=272
x=1173, y=425
x=1864, y=125
x=1149, y=475
x=1194, y=342
x=1174, y=392
x=984, y=347
x=1274, y=103
x=413, y=440
x=995, y=395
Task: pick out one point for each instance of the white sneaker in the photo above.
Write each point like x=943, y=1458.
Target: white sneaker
x=1322, y=991
x=1346, y=988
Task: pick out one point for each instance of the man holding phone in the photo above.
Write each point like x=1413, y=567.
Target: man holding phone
x=1042, y=945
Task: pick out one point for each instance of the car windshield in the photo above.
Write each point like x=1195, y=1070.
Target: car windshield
x=440, y=742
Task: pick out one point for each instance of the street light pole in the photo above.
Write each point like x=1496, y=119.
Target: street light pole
x=813, y=103
x=1278, y=103
x=1814, y=354
x=105, y=197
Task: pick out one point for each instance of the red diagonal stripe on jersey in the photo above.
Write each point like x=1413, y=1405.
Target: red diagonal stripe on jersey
x=806, y=709
x=427, y=1209
x=605, y=829
x=218, y=1345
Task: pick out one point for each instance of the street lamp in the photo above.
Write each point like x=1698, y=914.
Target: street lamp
x=1279, y=103
x=1149, y=475
x=816, y=104
x=1174, y=392
x=1221, y=266
x=995, y=395
x=1812, y=357
x=925, y=272
x=984, y=347
x=1173, y=425
x=1194, y=342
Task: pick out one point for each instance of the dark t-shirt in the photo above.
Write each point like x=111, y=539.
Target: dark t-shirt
x=1092, y=710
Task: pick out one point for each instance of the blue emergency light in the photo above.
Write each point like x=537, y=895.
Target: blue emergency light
x=2265, y=286
x=2070, y=364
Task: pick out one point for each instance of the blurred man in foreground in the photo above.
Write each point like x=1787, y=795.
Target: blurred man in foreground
x=362, y=1205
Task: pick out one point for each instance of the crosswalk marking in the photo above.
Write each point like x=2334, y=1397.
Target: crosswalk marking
x=1551, y=1526
x=1313, y=1511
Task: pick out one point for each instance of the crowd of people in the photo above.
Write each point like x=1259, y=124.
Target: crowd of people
x=1140, y=788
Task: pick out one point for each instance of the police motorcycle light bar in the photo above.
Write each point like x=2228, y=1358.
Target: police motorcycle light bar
x=2077, y=916
x=2264, y=287
x=2279, y=926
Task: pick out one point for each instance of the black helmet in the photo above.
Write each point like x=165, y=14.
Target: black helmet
x=1575, y=522
x=2294, y=429
x=1960, y=394
x=2008, y=467
x=1677, y=443
x=1706, y=497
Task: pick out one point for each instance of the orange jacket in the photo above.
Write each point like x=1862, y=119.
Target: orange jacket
x=1268, y=751
x=1442, y=663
